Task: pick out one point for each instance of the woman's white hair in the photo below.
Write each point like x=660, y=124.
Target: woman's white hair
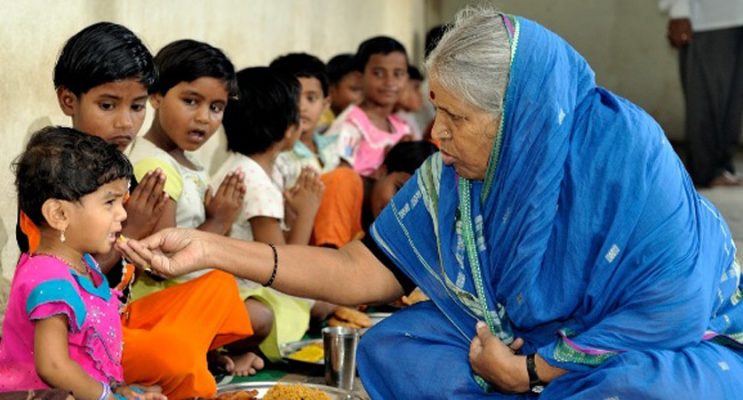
x=473, y=57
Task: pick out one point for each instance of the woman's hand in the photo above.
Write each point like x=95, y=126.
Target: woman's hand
x=141, y=392
x=224, y=206
x=170, y=252
x=145, y=205
x=497, y=363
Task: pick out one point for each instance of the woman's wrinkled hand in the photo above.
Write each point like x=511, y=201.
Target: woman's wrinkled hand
x=497, y=363
x=170, y=252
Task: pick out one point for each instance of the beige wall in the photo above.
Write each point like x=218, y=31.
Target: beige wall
x=252, y=32
x=623, y=40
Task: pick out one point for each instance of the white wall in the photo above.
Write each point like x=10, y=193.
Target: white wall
x=251, y=32
x=623, y=40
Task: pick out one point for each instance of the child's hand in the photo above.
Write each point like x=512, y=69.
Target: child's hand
x=224, y=207
x=145, y=205
x=141, y=392
x=305, y=197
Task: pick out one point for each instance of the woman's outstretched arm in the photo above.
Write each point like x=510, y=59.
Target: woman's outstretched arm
x=349, y=275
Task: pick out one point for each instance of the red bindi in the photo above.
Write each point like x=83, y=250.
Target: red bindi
x=433, y=95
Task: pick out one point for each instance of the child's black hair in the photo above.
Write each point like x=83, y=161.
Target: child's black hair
x=432, y=38
x=339, y=66
x=377, y=45
x=66, y=164
x=414, y=74
x=408, y=156
x=267, y=105
x=303, y=65
x=101, y=53
x=188, y=60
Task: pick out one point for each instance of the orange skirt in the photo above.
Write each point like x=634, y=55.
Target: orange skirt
x=168, y=334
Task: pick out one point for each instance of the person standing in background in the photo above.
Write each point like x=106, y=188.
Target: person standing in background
x=709, y=37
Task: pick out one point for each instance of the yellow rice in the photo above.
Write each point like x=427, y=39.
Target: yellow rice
x=295, y=392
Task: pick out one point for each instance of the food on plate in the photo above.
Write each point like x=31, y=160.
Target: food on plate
x=312, y=353
x=348, y=317
x=239, y=395
x=295, y=392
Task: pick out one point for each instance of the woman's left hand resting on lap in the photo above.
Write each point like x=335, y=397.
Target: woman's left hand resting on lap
x=498, y=364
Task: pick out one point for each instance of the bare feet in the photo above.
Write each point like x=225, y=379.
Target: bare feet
x=242, y=364
x=726, y=179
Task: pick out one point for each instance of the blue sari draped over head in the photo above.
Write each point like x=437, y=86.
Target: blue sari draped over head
x=586, y=238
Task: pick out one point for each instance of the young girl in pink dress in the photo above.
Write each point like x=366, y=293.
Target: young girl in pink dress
x=62, y=328
x=367, y=131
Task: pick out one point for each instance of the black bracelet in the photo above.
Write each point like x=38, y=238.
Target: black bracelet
x=536, y=385
x=275, y=266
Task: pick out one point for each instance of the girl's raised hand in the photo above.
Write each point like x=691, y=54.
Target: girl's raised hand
x=145, y=205
x=306, y=195
x=224, y=206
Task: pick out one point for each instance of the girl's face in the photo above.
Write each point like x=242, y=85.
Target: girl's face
x=312, y=103
x=190, y=112
x=347, y=91
x=385, y=76
x=113, y=111
x=96, y=219
x=465, y=133
x=411, y=99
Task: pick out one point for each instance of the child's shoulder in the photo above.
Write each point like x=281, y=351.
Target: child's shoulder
x=42, y=267
x=36, y=270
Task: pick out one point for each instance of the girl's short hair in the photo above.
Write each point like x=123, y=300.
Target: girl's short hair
x=267, y=105
x=101, y=53
x=377, y=45
x=339, y=66
x=408, y=156
x=188, y=60
x=66, y=164
x=303, y=65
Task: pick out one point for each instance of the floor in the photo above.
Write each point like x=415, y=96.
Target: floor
x=730, y=203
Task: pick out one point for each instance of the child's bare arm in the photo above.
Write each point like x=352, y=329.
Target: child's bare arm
x=304, y=199
x=53, y=363
x=223, y=208
x=267, y=230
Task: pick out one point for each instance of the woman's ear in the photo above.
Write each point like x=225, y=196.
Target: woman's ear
x=67, y=101
x=56, y=213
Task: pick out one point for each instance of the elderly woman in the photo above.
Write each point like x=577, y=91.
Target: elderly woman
x=560, y=240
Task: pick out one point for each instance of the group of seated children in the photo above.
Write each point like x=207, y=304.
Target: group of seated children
x=315, y=152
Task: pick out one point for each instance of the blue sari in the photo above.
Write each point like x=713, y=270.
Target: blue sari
x=586, y=238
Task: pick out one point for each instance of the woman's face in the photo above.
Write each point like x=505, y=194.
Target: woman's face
x=465, y=133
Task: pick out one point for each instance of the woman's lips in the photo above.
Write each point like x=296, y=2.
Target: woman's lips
x=447, y=158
